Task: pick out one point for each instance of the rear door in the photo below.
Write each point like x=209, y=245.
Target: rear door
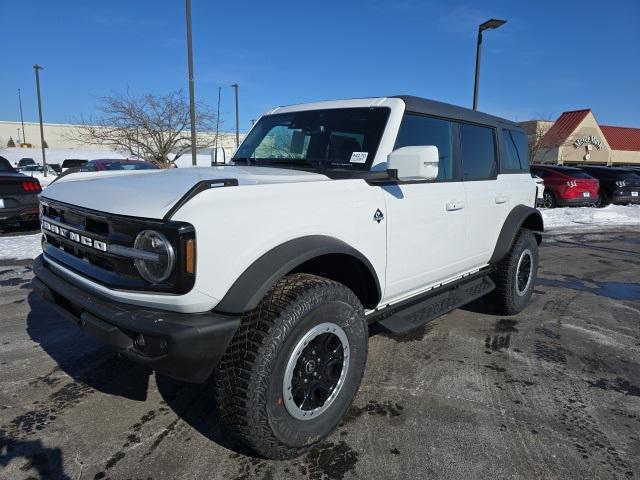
x=426, y=220
x=488, y=194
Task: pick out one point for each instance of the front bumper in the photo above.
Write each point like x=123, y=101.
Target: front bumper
x=625, y=199
x=183, y=346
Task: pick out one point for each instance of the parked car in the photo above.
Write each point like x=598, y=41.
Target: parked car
x=566, y=186
x=18, y=195
x=620, y=186
x=72, y=163
x=539, y=189
x=116, y=164
x=23, y=162
x=334, y=216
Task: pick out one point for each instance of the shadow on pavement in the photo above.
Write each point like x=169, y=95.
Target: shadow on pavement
x=46, y=461
x=196, y=405
x=81, y=357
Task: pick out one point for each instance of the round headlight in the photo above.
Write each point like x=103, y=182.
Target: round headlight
x=159, y=269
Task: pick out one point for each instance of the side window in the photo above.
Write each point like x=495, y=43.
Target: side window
x=509, y=158
x=515, y=151
x=419, y=130
x=522, y=145
x=478, y=152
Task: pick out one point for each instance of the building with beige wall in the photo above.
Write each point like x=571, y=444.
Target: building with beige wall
x=57, y=136
x=577, y=138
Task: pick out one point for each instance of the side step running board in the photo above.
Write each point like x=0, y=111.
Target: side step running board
x=417, y=311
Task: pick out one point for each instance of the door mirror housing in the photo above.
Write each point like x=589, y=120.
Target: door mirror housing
x=414, y=163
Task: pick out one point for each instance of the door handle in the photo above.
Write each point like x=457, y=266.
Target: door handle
x=502, y=199
x=453, y=205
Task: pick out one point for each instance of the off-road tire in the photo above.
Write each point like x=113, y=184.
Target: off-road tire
x=506, y=299
x=249, y=378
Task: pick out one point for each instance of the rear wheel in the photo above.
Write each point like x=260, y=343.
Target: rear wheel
x=515, y=275
x=548, y=199
x=294, y=366
x=601, y=201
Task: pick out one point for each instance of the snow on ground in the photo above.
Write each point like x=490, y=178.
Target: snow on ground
x=557, y=219
x=588, y=218
x=20, y=247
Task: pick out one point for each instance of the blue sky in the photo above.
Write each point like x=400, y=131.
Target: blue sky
x=550, y=56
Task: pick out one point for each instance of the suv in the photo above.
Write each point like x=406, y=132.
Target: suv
x=617, y=185
x=267, y=273
x=566, y=186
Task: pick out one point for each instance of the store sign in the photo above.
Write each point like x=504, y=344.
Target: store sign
x=588, y=140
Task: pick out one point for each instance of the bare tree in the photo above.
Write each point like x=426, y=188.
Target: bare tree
x=155, y=127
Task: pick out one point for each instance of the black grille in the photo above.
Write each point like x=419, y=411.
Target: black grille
x=105, y=267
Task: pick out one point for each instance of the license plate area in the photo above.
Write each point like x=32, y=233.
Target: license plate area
x=586, y=194
x=634, y=194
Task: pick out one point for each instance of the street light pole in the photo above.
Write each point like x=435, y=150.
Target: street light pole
x=37, y=68
x=235, y=87
x=215, y=154
x=192, y=105
x=489, y=24
x=24, y=138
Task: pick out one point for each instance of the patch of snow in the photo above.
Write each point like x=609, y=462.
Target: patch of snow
x=20, y=247
x=587, y=217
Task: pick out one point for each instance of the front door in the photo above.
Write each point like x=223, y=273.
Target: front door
x=426, y=239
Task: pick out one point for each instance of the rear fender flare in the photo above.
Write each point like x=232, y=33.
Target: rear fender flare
x=520, y=217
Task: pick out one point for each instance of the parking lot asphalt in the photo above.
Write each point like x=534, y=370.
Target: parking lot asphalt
x=553, y=392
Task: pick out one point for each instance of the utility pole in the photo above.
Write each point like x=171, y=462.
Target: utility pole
x=37, y=68
x=235, y=87
x=215, y=154
x=18, y=136
x=192, y=105
x=24, y=138
x=489, y=24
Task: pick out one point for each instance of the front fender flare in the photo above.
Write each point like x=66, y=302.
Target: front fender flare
x=254, y=283
x=520, y=217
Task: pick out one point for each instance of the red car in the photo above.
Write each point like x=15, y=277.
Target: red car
x=567, y=186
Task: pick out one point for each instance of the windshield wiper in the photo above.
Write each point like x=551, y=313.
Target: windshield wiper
x=247, y=160
x=297, y=162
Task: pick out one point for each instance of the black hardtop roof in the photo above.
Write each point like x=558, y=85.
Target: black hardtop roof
x=441, y=109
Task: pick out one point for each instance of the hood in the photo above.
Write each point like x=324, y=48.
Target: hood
x=152, y=193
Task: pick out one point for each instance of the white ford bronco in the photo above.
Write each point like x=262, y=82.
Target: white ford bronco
x=264, y=275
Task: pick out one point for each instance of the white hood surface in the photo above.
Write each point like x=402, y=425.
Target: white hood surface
x=152, y=193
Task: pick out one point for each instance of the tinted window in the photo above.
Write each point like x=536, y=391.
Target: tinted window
x=478, y=152
x=71, y=163
x=509, y=158
x=419, y=130
x=128, y=166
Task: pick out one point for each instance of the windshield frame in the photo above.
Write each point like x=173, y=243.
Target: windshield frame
x=377, y=125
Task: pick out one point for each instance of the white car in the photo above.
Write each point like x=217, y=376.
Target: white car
x=539, y=189
x=268, y=272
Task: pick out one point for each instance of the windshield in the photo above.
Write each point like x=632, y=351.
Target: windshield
x=344, y=138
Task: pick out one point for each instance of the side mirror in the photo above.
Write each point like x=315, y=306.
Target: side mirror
x=415, y=163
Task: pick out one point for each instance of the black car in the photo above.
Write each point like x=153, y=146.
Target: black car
x=617, y=185
x=23, y=162
x=18, y=195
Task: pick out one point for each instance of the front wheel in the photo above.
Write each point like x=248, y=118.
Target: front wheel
x=515, y=275
x=294, y=366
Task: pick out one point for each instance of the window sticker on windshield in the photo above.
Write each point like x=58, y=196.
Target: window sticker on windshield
x=359, y=157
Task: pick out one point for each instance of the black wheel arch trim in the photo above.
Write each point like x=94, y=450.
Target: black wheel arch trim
x=520, y=216
x=254, y=283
